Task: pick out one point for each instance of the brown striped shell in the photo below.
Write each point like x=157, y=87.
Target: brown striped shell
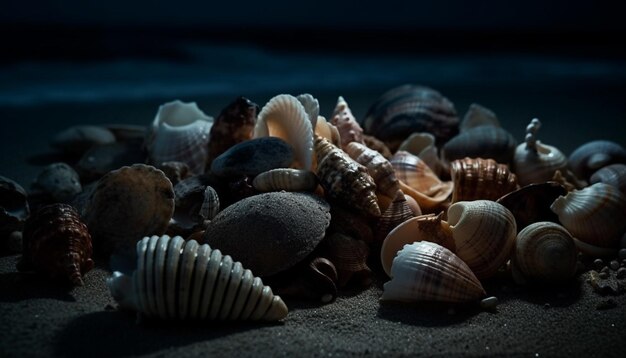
x=345, y=180
x=423, y=146
x=350, y=258
x=286, y=179
x=56, y=243
x=343, y=119
x=377, y=166
x=479, y=178
x=395, y=214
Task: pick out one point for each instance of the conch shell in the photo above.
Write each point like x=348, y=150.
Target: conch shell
x=343, y=119
x=479, y=178
x=377, y=166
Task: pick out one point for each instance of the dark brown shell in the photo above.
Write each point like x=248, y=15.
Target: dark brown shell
x=350, y=258
x=396, y=213
x=480, y=179
x=57, y=243
x=591, y=156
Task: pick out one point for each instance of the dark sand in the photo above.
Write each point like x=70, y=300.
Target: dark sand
x=38, y=318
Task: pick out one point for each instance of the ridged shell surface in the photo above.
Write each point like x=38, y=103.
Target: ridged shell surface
x=425, y=271
x=377, y=166
x=481, y=142
x=423, y=146
x=285, y=117
x=614, y=174
x=311, y=107
x=595, y=215
x=177, y=279
x=414, y=172
x=349, y=129
x=287, y=179
x=395, y=214
x=479, y=178
x=591, y=156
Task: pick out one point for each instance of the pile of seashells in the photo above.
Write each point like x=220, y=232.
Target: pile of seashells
x=314, y=205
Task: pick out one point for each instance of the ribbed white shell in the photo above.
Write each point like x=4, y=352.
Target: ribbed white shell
x=184, y=280
x=286, y=179
x=311, y=107
x=285, y=117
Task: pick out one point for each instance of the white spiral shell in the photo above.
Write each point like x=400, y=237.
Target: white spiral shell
x=184, y=280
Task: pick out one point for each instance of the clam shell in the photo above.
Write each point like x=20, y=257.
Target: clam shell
x=311, y=107
x=477, y=116
x=285, y=117
x=425, y=271
x=591, y=156
x=429, y=227
x=345, y=180
x=479, y=178
x=14, y=209
x=531, y=204
x=285, y=179
x=126, y=205
x=407, y=109
x=484, y=233
x=595, y=215
x=183, y=280
x=59, y=181
x=396, y=213
x=56, y=243
x=180, y=132
x=535, y=162
x=614, y=174
x=481, y=142
x=350, y=259
x=377, y=166
x=544, y=252
x=235, y=124
x=343, y=119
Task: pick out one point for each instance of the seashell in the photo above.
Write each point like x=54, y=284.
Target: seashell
x=253, y=157
x=184, y=280
x=196, y=204
x=595, y=215
x=422, y=145
x=235, y=124
x=568, y=180
x=241, y=188
x=101, y=159
x=487, y=142
x=312, y=280
x=345, y=180
x=285, y=179
x=57, y=244
x=76, y=140
x=535, y=162
x=425, y=271
x=180, y=132
x=343, y=119
x=351, y=223
x=270, y=232
x=479, y=178
x=429, y=227
x=614, y=174
x=350, y=258
x=377, y=166
x=14, y=209
x=311, y=107
x=285, y=117
x=127, y=204
x=210, y=205
x=477, y=116
x=175, y=171
x=328, y=131
x=59, y=181
x=544, y=252
x=373, y=143
x=396, y=213
x=407, y=109
x=531, y=203
x=589, y=157
x=484, y=234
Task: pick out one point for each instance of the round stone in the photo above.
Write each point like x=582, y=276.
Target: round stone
x=621, y=273
x=253, y=157
x=622, y=254
x=489, y=303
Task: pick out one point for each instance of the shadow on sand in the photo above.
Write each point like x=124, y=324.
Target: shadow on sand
x=20, y=286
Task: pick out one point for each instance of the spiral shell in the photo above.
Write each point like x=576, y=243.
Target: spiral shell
x=481, y=142
x=595, y=215
x=425, y=271
x=57, y=244
x=614, y=174
x=345, y=180
x=183, y=280
x=285, y=117
x=396, y=213
x=484, y=233
x=286, y=179
x=479, y=178
x=350, y=258
x=544, y=252
x=377, y=166
x=343, y=119
x=591, y=156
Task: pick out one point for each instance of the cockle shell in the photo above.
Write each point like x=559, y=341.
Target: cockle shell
x=180, y=132
x=535, y=162
x=126, y=205
x=345, y=180
x=235, y=124
x=14, y=209
x=407, y=109
x=343, y=119
x=425, y=271
x=477, y=116
x=377, y=166
x=544, y=252
x=481, y=142
x=395, y=214
x=58, y=181
x=484, y=233
x=56, y=243
x=349, y=256
x=479, y=178
x=285, y=117
x=178, y=279
x=429, y=227
x=311, y=107
x=285, y=179
x=595, y=215
x=589, y=157
x=614, y=174
x=423, y=146
x=531, y=203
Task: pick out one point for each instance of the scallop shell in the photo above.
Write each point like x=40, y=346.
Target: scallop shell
x=57, y=244
x=180, y=132
x=484, y=233
x=425, y=271
x=350, y=258
x=407, y=109
x=285, y=179
x=14, y=209
x=429, y=227
x=479, y=178
x=377, y=166
x=589, y=157
x=614, y=174
x=343, y=119
x=311, y=107
x=373, y=143
x=235, y=124
x=544, y=252
x=535, y=162
x=58, y=181
x=481, y=142
x=345, y=180
x=477, y=116
x=423, y=146
x=126, y=205
x=184, y=280
x=595, y=215
x=396, y=213
x=285, y=117
x=531, y=204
